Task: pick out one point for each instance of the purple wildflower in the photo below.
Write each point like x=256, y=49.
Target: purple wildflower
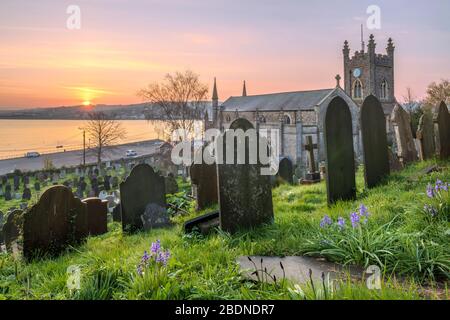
x=430, y=191
x=326, y=221
x=354, y=218
x=363, y=211
x=145, y=257
x=341, y=222
x=139, y=270
x=440, y=186
x=156, y=246
x=430, y=210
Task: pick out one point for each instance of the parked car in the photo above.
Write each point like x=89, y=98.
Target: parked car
x=32, y=154
x=131, y=153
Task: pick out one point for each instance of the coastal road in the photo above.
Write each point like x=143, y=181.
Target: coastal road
x=74, y=158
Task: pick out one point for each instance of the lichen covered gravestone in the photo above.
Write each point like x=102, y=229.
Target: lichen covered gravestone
x=442, y=128
x=425, y=134
x=374, y=140
x=340, y=162
x=245, y=196
x=56, y=221
x=406, y=148
x=142, y=187
x=96, y=216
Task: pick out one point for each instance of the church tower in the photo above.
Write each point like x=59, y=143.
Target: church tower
x=367, y=73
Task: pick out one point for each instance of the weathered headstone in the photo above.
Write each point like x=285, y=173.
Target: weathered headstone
x=171, y=184
x=394, y=161
x=56, y=221
x=245, y=196
x=142, y=187
x=425, y=134
x=12, y=228
x=155, y=216
x=374, y=139
x=96, y=216
x=340, y=161
x=204, y=184
x=442, y=130
x=286, y=170
x=406, y=149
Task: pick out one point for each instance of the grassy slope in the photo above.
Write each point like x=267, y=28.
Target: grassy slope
x=205, y=267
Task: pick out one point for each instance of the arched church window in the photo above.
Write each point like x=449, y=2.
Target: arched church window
x=286, y=119
x=228, y=118
x=357, y=89
x=384, y=89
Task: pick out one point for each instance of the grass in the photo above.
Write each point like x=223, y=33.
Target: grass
x=411, y=249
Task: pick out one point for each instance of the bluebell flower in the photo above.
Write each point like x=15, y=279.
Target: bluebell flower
x=156, y=246
x=326, y=221
x=363, y=211
x=341, y=222
x=355, y=218
x=430, y=191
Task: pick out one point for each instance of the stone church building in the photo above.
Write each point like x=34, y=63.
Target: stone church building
x=300, y=114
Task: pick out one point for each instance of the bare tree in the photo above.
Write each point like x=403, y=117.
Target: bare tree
x=181, y=98
x=103, y=132
x=409, y=97
x=437, y=92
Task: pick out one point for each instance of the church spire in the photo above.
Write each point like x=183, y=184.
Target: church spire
x=215, y=96
x=244, y=90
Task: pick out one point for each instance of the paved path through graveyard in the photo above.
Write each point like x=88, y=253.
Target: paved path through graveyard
x=73, y=158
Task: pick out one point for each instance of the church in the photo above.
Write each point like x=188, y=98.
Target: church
x=299, y=115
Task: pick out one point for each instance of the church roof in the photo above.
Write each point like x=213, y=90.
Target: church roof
x=297, y=100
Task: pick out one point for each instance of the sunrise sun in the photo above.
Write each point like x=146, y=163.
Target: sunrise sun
x=86, y=103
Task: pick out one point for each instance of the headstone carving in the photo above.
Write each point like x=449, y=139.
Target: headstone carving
x=56, y=221
x=142, y=187
x=406, y=149
x=245, y=196
x=96, y=216
x=340, y=161
x=425, y=135
x=374, y=139
x=442, y=129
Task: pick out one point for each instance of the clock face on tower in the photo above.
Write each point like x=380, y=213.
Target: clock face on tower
x=357, y=72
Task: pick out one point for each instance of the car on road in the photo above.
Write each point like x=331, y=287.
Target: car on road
x=131, y=153
x=32, y=154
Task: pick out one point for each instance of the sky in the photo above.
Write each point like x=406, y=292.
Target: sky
x=276, y=46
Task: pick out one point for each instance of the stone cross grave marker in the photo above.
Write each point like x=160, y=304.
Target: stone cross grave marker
x=142, y=187
x=55, y=222
x=374, y=139
x=245, y=196
x=313, y=175
x=340, y=161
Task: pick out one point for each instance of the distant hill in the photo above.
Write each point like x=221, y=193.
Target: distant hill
x=121, y=112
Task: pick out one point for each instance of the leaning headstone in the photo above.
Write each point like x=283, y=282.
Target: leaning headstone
x=425, y=135
x=245, y=196
x=155, y=216
x=12, y=229
x=97, y=216
x=340, y=161
x=142, y=187
x=406, y=149
x=204, y=184
x=55, y=222
x=26, y=195
x=374, y=139
x=442, y=129
x=171, y=184
x=286, y=171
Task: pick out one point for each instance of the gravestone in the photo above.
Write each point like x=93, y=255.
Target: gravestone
x=37, y=186
x=340, y=161
x=245, y=196
x=155, y=216
x=115, y=182
x=117, y=213
x=12, y=228
x=26, y=195
x=16, y=181
x=142, y=187
x=107, y=183
x=171, y=184
x=286, y=171
x=96, y=216
x=26, y=179
x=425, y=135
x=55, y=177
x=56, y=221
x=406, y=149
x=374, y=140
x=313, y=175
x=442, y=130
x=8, y=195
x=204, y=184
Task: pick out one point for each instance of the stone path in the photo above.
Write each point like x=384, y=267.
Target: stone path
x=296, y=268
